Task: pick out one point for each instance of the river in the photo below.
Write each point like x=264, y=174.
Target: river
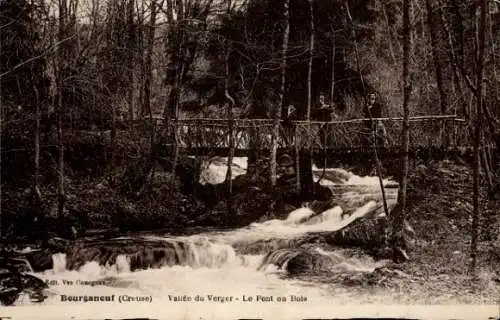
x=216, y=270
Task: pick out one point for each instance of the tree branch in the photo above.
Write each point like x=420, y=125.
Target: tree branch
x=20, y=65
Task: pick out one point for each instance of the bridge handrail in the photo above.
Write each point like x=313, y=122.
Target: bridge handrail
x=216, y=121
x=439, y=131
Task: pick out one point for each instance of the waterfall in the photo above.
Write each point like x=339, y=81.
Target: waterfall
x=123, y=263
x=59, y=262
x=300, y=215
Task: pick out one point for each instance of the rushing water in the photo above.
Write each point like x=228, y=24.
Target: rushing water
x=213, y=266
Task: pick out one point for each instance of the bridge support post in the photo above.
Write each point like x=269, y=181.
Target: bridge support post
x=306, y=174
x=297, y=161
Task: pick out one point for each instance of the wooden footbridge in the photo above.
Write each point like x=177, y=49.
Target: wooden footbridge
x=218, y=136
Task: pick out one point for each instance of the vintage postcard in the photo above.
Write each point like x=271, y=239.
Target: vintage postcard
x=249, y=159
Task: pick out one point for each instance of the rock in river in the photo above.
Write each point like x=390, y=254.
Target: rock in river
x=14, y=284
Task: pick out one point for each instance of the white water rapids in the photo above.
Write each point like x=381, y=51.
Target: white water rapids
x=213, y=269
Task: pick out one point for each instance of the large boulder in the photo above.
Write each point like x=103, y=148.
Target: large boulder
x=13, y=284
x=366, y=232
x=308, y=261
x=299, y=261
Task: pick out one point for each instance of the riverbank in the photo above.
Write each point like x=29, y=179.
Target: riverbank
x=134, y=197
x=440, y=206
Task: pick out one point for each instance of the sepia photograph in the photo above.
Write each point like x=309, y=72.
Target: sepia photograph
x=250, y=159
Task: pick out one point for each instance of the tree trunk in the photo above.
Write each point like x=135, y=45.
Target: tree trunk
x=229, y=112
x=433, y=31
x=279, y=106
x=332, y=97
x=176, y=154
x=174, y=38
x=496, y=92
x=142, y=52
x=149, y=61
x=174, y=95
x=455, y=62
x=147, y=91
x=36, y=187
x=306, y=174
x=390, y=34
x=398, y=216
x=486, y=165
x=332, y=77
x=306, y=179
x=74, y=52
x=168, y=116
x=311, y=56
x=425, y=62
x=478, y=135
x=374, y=145
x=131, y=55
x=298, y=185
x=60, y=186
x=113, y=143
x=60, y=58
x=493, y=54
x=230, y=106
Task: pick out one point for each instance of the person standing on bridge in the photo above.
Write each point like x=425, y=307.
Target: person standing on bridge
x=289, y=116
x=323, y=111
x=291, y=113
x=373, y=111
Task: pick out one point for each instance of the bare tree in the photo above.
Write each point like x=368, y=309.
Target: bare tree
x=390, y=35
x=311, y=56
x=493, y=48
x=186, y=22
x=59, y=67
x=148, y=63
x=36, y=188
x=131, y=34
x=229, y=107
x=277, y=109
x=306, y=166
x=332, y=76
x=398, y=216
x=478, y=133
x=112, y=43
x=376, y=159
x=147, y=89
x=454, y=59
x=433, y=31
x=171, y=110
